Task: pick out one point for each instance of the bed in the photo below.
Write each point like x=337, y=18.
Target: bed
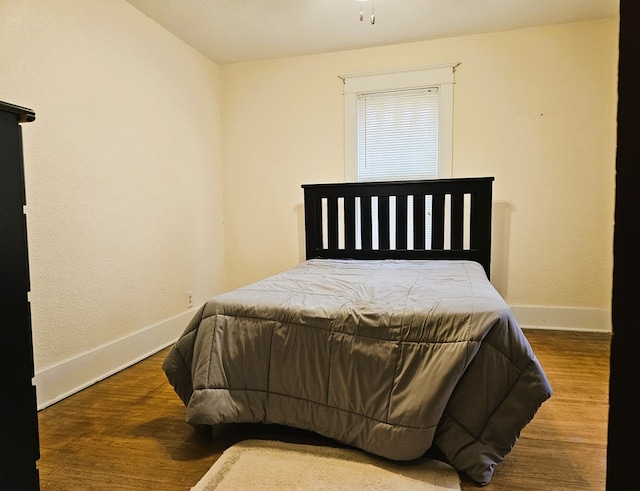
x=388, y=337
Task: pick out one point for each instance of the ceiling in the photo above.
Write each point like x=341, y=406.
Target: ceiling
x=229, y=31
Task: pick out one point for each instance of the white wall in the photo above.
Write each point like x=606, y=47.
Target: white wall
x=536, y=108
x=123, y=182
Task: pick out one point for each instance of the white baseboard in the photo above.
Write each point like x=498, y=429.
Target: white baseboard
x=59, y=381
x=563, y=318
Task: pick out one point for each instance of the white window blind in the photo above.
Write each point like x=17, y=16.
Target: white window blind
x=397, y=134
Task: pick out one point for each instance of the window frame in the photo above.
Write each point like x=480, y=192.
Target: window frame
x=440, y=75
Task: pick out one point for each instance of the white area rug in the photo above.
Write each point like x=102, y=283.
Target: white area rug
x=271, y=465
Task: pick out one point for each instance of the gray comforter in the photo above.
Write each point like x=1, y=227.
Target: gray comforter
x=389, y=356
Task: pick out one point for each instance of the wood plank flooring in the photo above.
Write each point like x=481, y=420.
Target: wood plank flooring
x=128, y=431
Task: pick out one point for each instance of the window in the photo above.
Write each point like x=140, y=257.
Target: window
x=399, y=123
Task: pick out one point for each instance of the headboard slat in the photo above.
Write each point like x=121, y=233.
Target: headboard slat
x=457, y=221
x=383, y=222
x=401, y=222
x=332, y=222
x=365, y=207
x=350, y=222
x=419, y=221
x=437, y=221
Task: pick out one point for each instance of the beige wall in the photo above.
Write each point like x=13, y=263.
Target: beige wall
x=123, y=170
x=137, y=136
x=536, y=108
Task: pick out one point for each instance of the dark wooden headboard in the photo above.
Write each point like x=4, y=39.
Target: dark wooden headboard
x=434, y=219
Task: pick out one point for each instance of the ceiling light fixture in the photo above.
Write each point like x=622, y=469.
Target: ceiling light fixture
x=373, y=15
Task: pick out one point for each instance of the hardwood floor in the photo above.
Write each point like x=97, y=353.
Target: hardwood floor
x=128, y=431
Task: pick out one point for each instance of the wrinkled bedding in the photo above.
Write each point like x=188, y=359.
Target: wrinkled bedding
x=390, y=356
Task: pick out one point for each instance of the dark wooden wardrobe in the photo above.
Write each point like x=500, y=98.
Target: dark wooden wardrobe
x=19, y=444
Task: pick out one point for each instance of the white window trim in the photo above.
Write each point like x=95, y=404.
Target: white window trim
x=440, y=75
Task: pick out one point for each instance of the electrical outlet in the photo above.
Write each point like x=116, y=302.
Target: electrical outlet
x=189, y=299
